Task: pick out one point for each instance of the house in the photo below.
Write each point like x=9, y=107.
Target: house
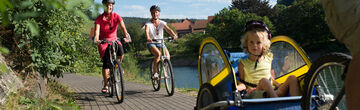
x=188, y=26
x=183, y=27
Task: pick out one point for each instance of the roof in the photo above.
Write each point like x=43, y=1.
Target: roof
x=200, y=24
x=185, y=25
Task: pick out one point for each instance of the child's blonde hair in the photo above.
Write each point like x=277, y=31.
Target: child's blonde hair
x=263, y=35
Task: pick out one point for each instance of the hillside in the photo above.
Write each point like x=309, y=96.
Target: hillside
x=129, y=20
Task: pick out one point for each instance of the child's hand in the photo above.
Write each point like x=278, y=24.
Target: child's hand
x=250, y=90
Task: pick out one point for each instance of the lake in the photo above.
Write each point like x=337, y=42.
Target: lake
x=186, y=77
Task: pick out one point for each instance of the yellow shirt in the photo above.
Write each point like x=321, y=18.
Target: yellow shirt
x=263, y=69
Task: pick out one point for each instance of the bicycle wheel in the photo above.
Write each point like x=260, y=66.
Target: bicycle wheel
x=326, y=79
x=206, y=96
x=119, y=81
x=155, y=83
x=110, y=86
x=169, y=80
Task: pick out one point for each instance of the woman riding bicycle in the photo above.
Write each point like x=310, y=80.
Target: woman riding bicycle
x=105, y=28
x=154, y=29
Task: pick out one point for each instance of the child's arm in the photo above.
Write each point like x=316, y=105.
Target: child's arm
x=275, y=83
x=241, y=86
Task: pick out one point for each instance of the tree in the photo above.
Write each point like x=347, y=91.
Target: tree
x=285, y=2
x=260, y=7
x=46, y=35
x=228, y=26
x=305, y=23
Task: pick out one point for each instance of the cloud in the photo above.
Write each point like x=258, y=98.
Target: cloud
x=198, y=5
x=136, y=7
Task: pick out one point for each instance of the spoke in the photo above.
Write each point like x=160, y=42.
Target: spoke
x=333, y=78
x=323, y=82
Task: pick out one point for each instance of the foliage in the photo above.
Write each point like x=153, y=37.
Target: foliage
x=305, y=23
x=260, y=7
x=131, y=20
x=137, y=36
x=190, y=43
x=228, y=25
x=59, y=97
x=285, y=2
x=132, y=69
x=48, y=37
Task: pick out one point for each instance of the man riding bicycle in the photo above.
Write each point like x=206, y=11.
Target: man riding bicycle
x=154, y=29
x=105, y=28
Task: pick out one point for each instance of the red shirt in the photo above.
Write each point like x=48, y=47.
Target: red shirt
x=108, y=29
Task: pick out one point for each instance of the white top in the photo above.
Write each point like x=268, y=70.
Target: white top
x=156, y=32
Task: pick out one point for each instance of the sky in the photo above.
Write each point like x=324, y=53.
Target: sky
x=174, y=9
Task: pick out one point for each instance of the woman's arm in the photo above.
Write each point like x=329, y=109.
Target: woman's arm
x=168, y=30
x=147, y=34
x=124, y=31
x=97, y=33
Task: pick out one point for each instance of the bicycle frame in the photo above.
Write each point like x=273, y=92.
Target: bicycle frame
x=163, y=56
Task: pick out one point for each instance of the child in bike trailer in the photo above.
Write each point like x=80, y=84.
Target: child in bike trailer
x=154, y=29
x=255, y=71
x=106, y=25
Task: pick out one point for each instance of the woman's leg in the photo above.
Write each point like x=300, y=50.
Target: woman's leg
x=156, y=52
x=290, y=86
x=264, y=84
x=167, y=53
x=106, y=76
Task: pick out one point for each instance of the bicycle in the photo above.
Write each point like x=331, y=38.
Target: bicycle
x=115, y=82
x=164, y=68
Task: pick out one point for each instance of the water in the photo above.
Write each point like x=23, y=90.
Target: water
x=186, y=77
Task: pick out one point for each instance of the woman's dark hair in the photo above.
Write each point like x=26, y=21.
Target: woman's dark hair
x=254, y=24
x=155, y=7
x=108, y=1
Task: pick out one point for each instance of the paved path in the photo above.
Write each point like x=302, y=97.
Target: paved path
x=137, y=96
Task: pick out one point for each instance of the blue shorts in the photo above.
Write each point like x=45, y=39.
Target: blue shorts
x=157, y=45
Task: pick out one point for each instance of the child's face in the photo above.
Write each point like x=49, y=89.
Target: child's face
x=155, y=14
x=255, y=45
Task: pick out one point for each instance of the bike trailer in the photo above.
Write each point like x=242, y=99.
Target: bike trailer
x=218, y=71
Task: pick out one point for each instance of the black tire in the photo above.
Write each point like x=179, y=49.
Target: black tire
x=110, y=86
x=169, y=81
x=206, y=96
x=119, y=81
x=315, y=78
x=155, y=83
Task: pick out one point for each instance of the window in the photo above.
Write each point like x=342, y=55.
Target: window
x=286, y=58
x=211, y=62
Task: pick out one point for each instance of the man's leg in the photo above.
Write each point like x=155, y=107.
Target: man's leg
x=352, y=89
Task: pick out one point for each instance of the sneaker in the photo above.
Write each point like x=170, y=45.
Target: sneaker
x=155, y=76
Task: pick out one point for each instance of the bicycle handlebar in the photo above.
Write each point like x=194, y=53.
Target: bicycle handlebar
x=106, y=41
x=166, y=38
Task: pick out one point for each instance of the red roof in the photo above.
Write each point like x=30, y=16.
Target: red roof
x=200, y=24
x=185, y=25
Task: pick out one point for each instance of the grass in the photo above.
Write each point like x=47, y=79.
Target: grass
x=58, y=97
